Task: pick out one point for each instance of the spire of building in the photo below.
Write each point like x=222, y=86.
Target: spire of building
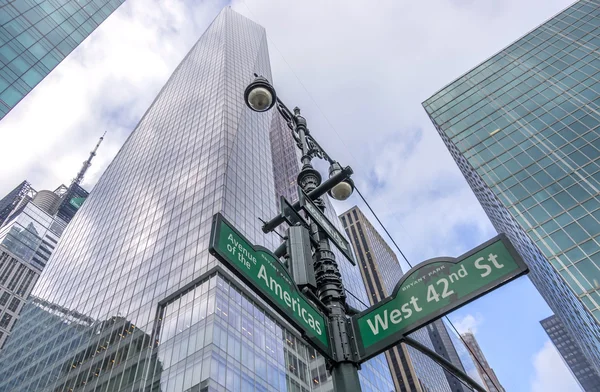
x=86, y=164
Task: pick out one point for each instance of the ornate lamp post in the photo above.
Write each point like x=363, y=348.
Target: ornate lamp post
x=260, y=96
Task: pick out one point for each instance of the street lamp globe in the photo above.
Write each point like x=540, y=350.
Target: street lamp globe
x=260, y=95
x=344, y=189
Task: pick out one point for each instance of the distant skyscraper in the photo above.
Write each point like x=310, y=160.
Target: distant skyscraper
x=135, y=257
x=32, y=225
x=9, y=202
x=445, y=346
x=580, y=367
x=381, y=271
x=523, y=129
x=27, y=240
x=466, y=359
x=485, y=371
x=37, y=35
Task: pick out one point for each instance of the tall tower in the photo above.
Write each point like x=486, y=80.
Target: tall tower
x=73, y=196
x=523, y=129
x=582, y=371
x=37, y=35
x=134, y=261
x=445, y=346
x=380, y=270
x=485, y=371
x=8, y=203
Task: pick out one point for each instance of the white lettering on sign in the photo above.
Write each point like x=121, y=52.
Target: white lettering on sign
x=436, y=291
x=290, y=299
x=488, y=269
x=395, y=316
x=244, y=254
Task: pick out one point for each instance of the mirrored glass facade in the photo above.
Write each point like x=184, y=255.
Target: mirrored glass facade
x=36, y=35
x=27, y=239
x=131, y=300
x=444, y=346
x=9, y=202
x=523, y=129
x=464, y=355
x=31, y=234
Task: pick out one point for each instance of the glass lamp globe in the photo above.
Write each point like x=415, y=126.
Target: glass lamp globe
x=260, y=99
x=341, y=191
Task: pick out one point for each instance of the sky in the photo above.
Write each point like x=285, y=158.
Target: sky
x=359, y=70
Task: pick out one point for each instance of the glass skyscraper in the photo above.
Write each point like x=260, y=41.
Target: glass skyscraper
x=582, y=371
x=485, y=371
x=9, y=202
x=523, y=129
x=36, y=35
x=131, y=299
x=444, y=345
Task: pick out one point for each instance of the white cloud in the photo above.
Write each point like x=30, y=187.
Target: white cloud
x=369, y=68
x=551, y=373
x=105, y=84
x=468, y=323
x=369, y=78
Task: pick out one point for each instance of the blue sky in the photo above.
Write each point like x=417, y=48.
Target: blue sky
x=359, y=72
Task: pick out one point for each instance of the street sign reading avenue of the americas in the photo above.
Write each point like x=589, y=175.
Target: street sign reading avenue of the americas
x=263, y=272
x=433, y=289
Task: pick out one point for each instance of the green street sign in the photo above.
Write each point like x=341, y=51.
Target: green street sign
x=321, y=220
x=262, y=271
x=433, y=289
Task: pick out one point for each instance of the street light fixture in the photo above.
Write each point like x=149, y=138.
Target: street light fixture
x=260, y=96
x=344, y=189
x=322, y=278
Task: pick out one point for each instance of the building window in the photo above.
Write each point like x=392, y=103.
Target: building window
x=5, y=320
x=14, y=305
x=4, y=298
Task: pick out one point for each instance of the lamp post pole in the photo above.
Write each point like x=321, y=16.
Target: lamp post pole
x=260, y=96
x=330, y=289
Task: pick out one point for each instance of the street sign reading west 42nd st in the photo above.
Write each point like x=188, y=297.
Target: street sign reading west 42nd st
x=433, y=289
x=320, y=219
x=262, y=271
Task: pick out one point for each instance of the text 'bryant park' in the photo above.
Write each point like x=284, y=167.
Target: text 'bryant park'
x=299, y=196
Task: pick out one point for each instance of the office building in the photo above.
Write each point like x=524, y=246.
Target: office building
x=466, y=359
x=37, y=35
x=444, y=345
x=580, y=367
x=485, y=371
x=523, y=129
x=32, y=225
x=381, y=271
x=9, y=202
x=27, y=239
x=137, y=250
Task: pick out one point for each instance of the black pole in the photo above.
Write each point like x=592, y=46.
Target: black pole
x=330, y=289
x=344, y=362
x=449, y=366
